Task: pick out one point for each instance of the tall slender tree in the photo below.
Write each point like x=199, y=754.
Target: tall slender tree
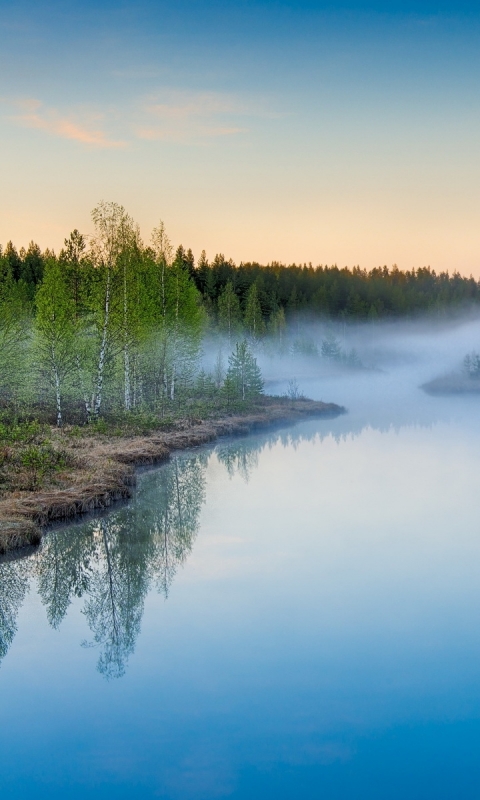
x=55, y=325
x=229, y=314
x=114, y=235
x=254, y=322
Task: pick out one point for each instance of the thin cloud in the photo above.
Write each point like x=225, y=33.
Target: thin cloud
x=172, y=134
x=35, y=115
x=184, y=105
x=180, y=116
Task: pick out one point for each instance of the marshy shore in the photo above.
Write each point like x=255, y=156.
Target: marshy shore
x=60, y=474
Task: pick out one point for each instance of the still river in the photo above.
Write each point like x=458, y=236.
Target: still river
x=294, y=614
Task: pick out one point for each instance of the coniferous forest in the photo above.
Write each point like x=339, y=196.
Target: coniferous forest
x=113, y=325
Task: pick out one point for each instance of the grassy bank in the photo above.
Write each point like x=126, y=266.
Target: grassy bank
x=48, y=474
x=455, y=383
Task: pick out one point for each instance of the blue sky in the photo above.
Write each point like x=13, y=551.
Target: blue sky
x=323, y=132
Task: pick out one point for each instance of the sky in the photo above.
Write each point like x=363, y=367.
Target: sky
x=324, y=132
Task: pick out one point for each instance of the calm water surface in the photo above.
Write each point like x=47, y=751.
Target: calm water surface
x=290, y=615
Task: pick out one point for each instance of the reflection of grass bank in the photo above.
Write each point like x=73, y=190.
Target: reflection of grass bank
x=48, y=474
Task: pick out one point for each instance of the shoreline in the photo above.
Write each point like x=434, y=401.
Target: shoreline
x=105, y=466
x=451, y=384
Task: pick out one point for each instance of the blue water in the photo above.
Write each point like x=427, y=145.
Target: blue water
x=290, y=615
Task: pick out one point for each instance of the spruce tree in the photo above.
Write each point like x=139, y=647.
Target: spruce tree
x=331, y=347
x=15, y=338
x=253, y=314
x=229, y=314
x=244, y=379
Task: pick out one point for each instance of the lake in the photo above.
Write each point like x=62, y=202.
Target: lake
x=294, y=614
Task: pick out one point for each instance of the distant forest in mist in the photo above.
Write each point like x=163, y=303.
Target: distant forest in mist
x=113, y=325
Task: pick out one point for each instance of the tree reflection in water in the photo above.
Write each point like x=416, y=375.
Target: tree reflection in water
x=14, y=583
x=112, y=561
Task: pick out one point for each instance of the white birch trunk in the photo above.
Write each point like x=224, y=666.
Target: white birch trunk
x=126, y=354
x=174, y=351
x=58, y=397
x=97, y=399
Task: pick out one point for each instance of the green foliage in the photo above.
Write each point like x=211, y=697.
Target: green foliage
x=243, y=380
x=277, y=323
x=56, y=330
x=112, y=327
x=229, y=314
x=353, y=294
x=253, y=318
x=42, y=458
x=21, y=432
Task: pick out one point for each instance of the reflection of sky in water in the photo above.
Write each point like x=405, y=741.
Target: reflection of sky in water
x=320, y=637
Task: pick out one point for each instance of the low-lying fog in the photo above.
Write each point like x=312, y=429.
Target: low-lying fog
x=392, y=361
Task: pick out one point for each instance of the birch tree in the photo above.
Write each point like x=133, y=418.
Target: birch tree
x=55, y=327
x=179, y=316
x=162, y=260
x=114, y=233
x=184, y=326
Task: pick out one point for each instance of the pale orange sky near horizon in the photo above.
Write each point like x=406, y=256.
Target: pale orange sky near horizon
x=322, y=139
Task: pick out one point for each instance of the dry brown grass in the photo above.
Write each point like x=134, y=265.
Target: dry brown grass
x=97, y=470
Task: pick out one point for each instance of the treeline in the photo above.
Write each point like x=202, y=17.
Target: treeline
x=329, y=290
x=109, y=325
x=353, y=294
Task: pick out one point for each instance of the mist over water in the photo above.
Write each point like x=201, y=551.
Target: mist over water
x=288, y=614
x=397, y=359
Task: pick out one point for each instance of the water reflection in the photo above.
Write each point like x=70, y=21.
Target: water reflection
x=111, y=562
x=14, y=582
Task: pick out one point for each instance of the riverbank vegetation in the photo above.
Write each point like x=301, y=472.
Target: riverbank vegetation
x=49, y=473
x=226, y=291
x=102, y=368
x=111, y=330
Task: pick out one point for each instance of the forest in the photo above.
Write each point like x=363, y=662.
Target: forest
x=113, y=325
